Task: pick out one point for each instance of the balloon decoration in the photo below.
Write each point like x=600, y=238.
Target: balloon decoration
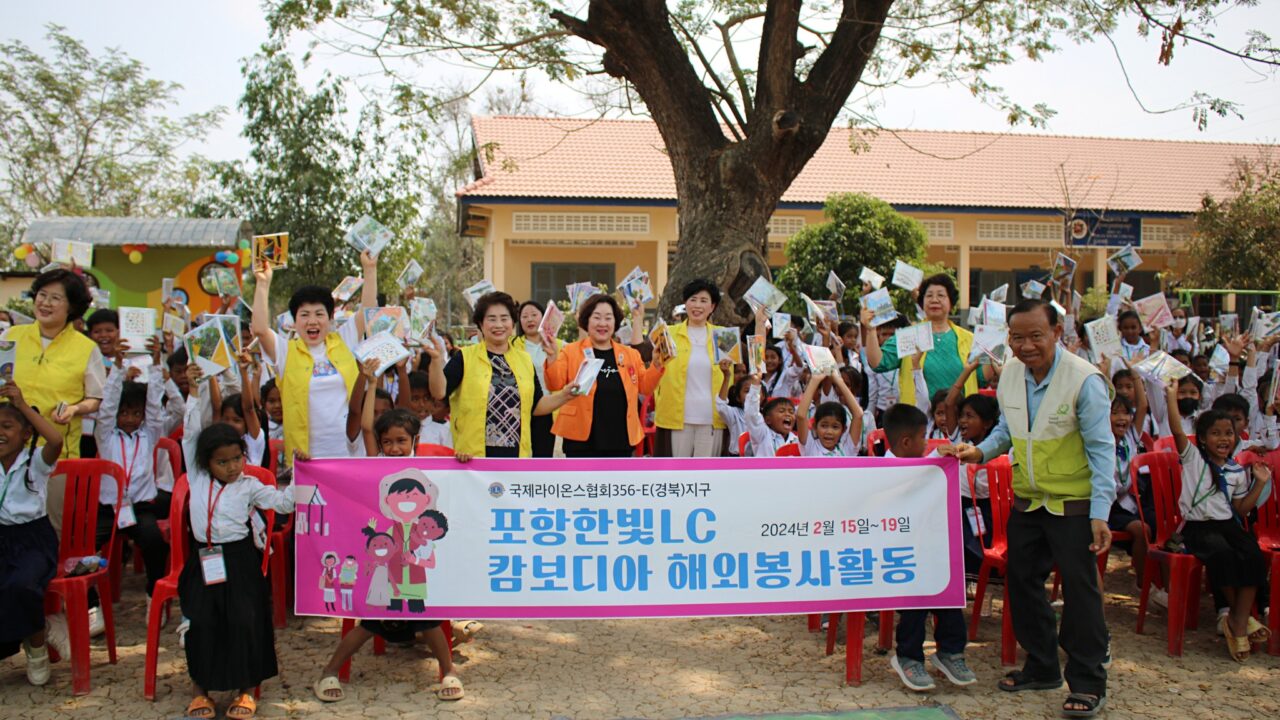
x=134, y=252
x=27, y=253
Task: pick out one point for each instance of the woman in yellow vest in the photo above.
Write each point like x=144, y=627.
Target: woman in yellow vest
x=59, y=370
x=530, y=341
x=951, y=345
x=316, y=369
x=492, y=388
x=688, y=424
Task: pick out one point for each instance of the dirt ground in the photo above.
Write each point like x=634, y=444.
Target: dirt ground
x=655, y=669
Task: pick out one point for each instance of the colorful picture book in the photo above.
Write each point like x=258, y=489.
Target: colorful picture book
x=755, y=354
x=230, y=328
x=1154, y=311
x=906, y=276
x=271, y=250
x=728, y=344
x=347, y=289
x=824, y=310
x=207, y=347
x=1064, y=270
x=1161, y=365
x=225, y=280
x=636, y=288
x=994, y=313
x=384, y=347
x=820, y=360
x=881, y=306
x=914, y=339
x=368, y=234
x=71, y=252
x=989, y=343
x=391, y=319
x=835, y=285
x=552, y=321
x=872, y=278
x=175, y=325
x=137, y=325
x=1104, y=338
x=579, y=293
x=764, y=294
x=284, y=323
x=663, y=343
x=780, y=324
x=477, y=291
x=1000, y=294
x=1125, y=259
x=1032, y=289
x=422, y=318
x=410, y=274
x=587, y=373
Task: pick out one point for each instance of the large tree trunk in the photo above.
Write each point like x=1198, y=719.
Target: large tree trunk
x=727, y=191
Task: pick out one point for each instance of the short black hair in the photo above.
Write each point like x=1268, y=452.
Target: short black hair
x=78, y=297
x=901, y=419
x=217, y=435
x=533, y=303
x=1228, y=402
x=232, y=402
x=311, y=295
x=944, y=281
x=397, y=417
x=588, y=307
x=1179, y=352
x=133, y=394
x=1031, y=305
x=984, y=406
x=1128, y=315
x=1123, y=402
x=487, y=301
x=898, y=322
x=442, y=522
x=102, y=316
x=418, y=380
x=178, y=357
x=938, y=398
x=404, y=485
x=774, y=402
x=830, y=409
x=1122, y=373
x=381, y=394
x=698, y=285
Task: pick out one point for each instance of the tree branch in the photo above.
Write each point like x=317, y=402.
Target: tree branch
x=777, y=64
x=838, y=68
x=1177, y=30
x=723, y=91
x=743, y=86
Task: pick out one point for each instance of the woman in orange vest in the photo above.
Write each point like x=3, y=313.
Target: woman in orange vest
x=605, y=421
x=59, y=369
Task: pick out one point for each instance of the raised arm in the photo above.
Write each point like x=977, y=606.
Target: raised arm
x=1175, y=417
x=365, y=413
x=850, y=402
x=435, y=369
x=956, y=392
x=870, y=339
x=802, y=410
x=368, y=291
x=52, y=438
x=260, y=324
x=404, y=395
x=252, y=425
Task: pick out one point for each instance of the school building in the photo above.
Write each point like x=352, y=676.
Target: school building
x=559, y=200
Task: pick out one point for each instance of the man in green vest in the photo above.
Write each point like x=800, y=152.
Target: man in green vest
x=1055, y=415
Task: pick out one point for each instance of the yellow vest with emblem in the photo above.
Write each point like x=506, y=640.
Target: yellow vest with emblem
x=906, y=380
x=1049, y=461
x=669, y=398
x=52, y=375
x=469, y=403
x=295, y=388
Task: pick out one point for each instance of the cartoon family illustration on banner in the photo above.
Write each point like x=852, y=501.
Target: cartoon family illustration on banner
x=391, y=557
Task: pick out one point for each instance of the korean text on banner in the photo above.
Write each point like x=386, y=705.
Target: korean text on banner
x=431, y=538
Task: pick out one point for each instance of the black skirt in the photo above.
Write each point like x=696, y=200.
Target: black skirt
x=231, y=643
x=28, y=561
x=1229, y=552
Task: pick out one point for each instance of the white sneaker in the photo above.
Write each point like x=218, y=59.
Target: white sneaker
x=96, y=624
x=164, y=616
x=1159, y=597
x=55, y=635
x=182, y=629
x=37, y=664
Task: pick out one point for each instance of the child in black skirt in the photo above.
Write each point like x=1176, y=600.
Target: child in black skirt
x=28, y=544
x=1216, y=493
x=231, y=643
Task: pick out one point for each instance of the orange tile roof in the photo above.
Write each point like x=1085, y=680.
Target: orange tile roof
x=540, y=157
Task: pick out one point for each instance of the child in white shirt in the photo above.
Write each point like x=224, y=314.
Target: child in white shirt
x=833, y=435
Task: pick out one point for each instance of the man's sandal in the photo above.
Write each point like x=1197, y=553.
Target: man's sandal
x=450, y=688
x=1019, y=680
x=1258, y=633
x=201, y=707
x=1085, y=705
x=467, y=631
x=242, y=708
x=329, y=689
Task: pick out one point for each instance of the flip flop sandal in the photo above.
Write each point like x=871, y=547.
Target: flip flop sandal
x=471, y=628
x=1237, y=648
x=1258, y=633
x=1092, y=703
x=328, y=684
x=1022, y=681
x=202, y=707
x=242, y=708
x=450, y=683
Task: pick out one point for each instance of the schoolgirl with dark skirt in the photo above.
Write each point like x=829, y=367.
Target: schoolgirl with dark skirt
x=28, y=544
x=231, y=643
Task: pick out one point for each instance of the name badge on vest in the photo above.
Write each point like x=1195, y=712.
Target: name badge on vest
x=212, y=566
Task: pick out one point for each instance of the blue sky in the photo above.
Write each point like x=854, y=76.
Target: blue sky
x=200, y=46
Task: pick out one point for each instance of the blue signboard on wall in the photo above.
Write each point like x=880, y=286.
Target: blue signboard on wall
x=1090, y=229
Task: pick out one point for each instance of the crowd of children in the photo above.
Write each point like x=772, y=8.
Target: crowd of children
x=1218, y=405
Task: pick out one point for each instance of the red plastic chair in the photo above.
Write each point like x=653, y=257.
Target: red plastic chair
x=281, y=546
x=788, y=450
x=273, y=561
x=877, y=442
x=854, y=626
x=996, y=557
x=79, y=530
x=166, y=589
x=743, y=440
x=380, y=646
x=1185, y=572
x=988, y=391
x=650, y=429
x=433, y=450
x=1166, y=444
x=934, y=444
x=275, y=455
x=1267, y=529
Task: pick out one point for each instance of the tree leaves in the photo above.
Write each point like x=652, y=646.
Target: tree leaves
x=1236, y=244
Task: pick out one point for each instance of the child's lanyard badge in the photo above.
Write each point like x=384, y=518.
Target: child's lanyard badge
x=212, y=566
x=126, y=518
x=8, y=480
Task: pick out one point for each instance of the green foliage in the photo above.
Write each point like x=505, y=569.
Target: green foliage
x=87, y=135
x=1093, y=304
x=860, y=232
x=312, y=176
x=1236, y=244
